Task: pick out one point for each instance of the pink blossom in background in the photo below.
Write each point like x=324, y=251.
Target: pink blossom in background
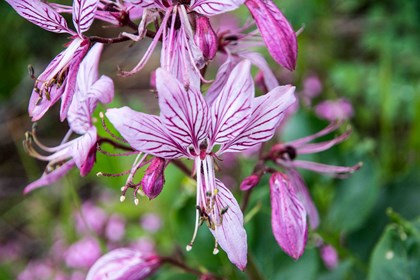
x=151, y=222
x=312, y=87
x=115, y=228
x=334, y=110
x=83, y=253
x=329, y=256
x=90, y=218
x=36, y=270
x=144, y=245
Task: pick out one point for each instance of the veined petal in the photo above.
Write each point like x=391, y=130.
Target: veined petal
x=302, y=192
x=276, y=31
x=88, y=71
x=41, y=14
x=51, y=177
x=231, y=110
x=84, y=14
x=145, y=133
x=214, y=7
x=267, y=111
x=123, y=263
x=184, y=114
x=220, y=80
x=229, y=231
x=259, y=61
x=288, y=216
x=83, y=146
x=102, y=90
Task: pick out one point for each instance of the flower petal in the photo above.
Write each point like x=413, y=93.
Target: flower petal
x=229, y=231
x=41, y=14
x=288, y=216
x=49, y=178
x=184, y=114
x=123, y=264
x=231, y=109
x=267, y=111
x=83, y=146
x=214, y=7
x=145, y=133
x=276, y=31
x=220, y=80
x=84, y=14
x=258, y=60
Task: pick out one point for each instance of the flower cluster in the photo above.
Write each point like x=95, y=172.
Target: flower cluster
x=231, y=116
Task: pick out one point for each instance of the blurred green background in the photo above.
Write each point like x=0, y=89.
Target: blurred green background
x=365, y=51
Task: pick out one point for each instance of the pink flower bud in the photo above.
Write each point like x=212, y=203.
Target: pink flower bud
x=288, y=216
x=154, y=178
x=249, y=182
x=83, y=253
x=329, y=256
x=115, y=228
x=333, y=110
x=205, y=37
x=124, y=263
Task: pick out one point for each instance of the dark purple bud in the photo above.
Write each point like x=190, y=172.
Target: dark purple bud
x=249, y=182
x=277, y=33
x=205, y=37
x=154, y=178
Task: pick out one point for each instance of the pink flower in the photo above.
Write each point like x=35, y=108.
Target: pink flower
x=329, y=256
x=190, y=127
x=151, y=222
x=154, y=178
x=59, y=78
x=83, y=253
x=122, y=264
x=90, y=218
x=115, y=228
x=80, y=152
x=334, y=110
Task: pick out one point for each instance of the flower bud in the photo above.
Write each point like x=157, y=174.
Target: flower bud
x=249, y=182
x=205, y=37
x=333, y=110
x=154, y=178
x=288, y=216
x=329, y=256
x=124, y=263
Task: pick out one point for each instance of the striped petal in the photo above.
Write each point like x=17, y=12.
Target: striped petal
x=145, y=133
x=41, y=14
x=184, y=114
x=267, y=111
x=231, y=109
x=84, y=14
x=288, y=216
x=214, y=7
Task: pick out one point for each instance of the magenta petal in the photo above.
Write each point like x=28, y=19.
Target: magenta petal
x=41, y=14
x=49, y=178
x=229, y=231
x=123, y=264
x=82, y=147
x=276, y=31
x=288, y=216
x=154, y=179
x=84, y=14
x=145, y=133
x=205, y=37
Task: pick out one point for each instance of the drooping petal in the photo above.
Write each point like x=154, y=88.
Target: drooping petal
x=267, y=111
x=302, y=192
x=229, y=231
x=84, y=14
x=332, y=170
x=276, y=31
x=231, y=109
x=123, y=264
x=311, y=148
x=88, y=71
x=144, y=133
x=184, y=114
x=214, y=7
x=41, y=14
x=288, y=216
x=83, y=146
x=51, y=177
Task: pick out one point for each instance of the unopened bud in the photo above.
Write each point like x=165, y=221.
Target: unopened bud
x=329, y=256
x=249, y=182
x=154, y=178
x=205, y=37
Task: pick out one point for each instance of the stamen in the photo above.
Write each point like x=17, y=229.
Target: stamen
x=102, y=174
x=99, y=149
x=101, y=115
x=216, y=249
x=122, y=198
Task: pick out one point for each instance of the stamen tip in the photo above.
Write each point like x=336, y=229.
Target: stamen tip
x=136, y=201
x=99, y=174
x=123, y=188
x=122, y=198
x=188, y=247
x=215, y=251
x=101, y=115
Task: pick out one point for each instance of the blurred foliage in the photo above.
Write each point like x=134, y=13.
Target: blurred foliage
x=366, y=51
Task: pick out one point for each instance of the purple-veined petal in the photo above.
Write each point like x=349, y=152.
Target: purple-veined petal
x=276, y=31
x=311, y=148
x=288, y=216
x=302, y=192
x=145, y=133
x=220, y=80
x=229, y=231
x=88, y=71
x=123, y=264
x=302, y=141
x=267, y=111
x=84, y=14
x=102, y=90
x=214, y=7
x=231, y=110
x=41, y=14
x=184, y=114
x=259, y=61
x=83, y=146
x=51, y=177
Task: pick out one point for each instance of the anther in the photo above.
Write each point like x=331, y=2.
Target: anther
x=122, y=198
x=136, y=201
x=188, y=247
x=99, y=174
x=31, y=72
